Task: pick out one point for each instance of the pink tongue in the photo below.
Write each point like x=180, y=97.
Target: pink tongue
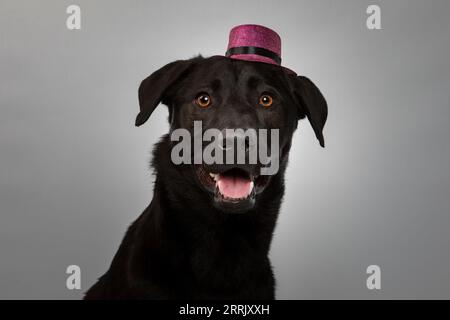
x=234, y=187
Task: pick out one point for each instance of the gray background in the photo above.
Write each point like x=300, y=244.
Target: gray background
x=74, y=169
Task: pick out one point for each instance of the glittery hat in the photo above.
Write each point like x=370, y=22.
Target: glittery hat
x=253, y=42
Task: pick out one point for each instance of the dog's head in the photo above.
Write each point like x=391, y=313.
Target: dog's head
x=236, y=99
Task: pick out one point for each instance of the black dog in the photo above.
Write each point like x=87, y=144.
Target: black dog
x=192, y=241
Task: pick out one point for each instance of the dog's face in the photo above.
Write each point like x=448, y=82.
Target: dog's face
x=237, y=100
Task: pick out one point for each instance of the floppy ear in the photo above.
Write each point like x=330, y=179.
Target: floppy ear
x=312, y=104
x=153, y=89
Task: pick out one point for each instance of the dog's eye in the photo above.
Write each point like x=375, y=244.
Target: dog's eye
x=265, y=100
x=203, y=100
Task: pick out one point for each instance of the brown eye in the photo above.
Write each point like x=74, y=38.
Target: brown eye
x=265, y=100
x=203, y=100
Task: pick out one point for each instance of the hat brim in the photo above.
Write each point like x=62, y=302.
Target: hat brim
x=259, y=59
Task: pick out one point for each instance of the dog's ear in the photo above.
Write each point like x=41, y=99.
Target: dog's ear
x=153, y=89
x=310, y=103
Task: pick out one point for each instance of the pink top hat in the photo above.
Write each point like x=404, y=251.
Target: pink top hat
x=253, y=42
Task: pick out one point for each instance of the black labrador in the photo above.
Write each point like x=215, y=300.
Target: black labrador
x=192, y=241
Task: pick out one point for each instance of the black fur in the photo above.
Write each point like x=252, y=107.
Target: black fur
x=182, y=246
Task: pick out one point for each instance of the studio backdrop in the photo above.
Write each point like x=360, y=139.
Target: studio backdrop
x=74, y=170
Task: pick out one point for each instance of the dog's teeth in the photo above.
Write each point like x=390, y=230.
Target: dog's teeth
x=213, y=175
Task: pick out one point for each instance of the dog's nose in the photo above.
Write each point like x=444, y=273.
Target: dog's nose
x=240, y=151
x=238, y=139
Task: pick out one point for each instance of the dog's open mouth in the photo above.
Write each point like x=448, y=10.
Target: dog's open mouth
x=233, y=189
x=233, y=185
